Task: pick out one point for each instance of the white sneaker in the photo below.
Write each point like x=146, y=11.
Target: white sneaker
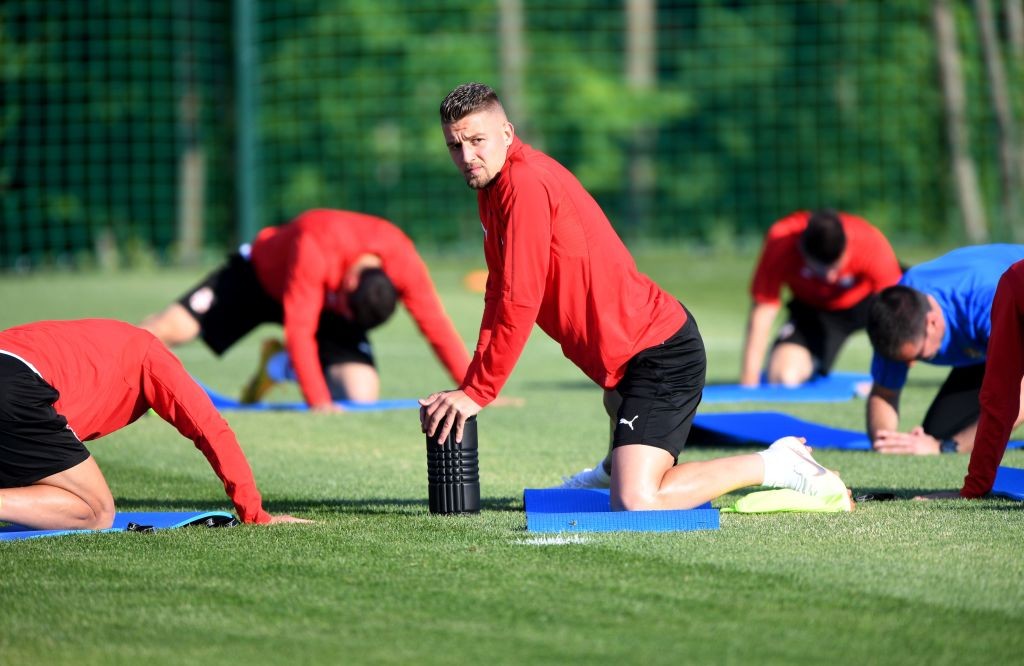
x=594, y=477
x=788, y=464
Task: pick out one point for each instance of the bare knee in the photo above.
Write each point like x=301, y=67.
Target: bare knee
x=361, y=393
x=99, y=515
x=102, y=520
x=633, y=499
x=788, y=376
x=790, y=365
x=173, y=326
x=357, y=382
x=788, y=373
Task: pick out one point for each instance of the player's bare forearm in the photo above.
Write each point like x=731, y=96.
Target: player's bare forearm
x=882, y=411
x=756, y=342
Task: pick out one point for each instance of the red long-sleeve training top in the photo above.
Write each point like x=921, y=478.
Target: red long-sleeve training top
x=302, y=264
x=1000, y=390
x=869, y=266
x=110, y=373
x=553, y=258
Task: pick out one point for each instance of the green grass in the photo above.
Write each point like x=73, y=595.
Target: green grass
x=378, y=579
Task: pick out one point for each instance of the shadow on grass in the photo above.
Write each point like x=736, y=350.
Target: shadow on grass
x=362, y=506
x=954, y=503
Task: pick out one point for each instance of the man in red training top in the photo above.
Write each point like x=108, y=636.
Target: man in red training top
x=63, y=383
x=1001, y=387
x=329, y=276
x=833, y=264
x=553, y=259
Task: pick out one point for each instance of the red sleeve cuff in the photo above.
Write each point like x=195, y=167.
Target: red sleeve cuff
x=261, y=517
x=476, y=396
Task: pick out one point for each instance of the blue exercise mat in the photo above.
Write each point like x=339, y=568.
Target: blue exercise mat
x=766, y=427
x=836, y=387
x=223, y=402
x=159, y=520
x=1009, y=483
x=589, y=510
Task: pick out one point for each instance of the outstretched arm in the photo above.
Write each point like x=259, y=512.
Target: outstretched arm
x=177, y=399
x=1002, y=387
x=412, y=280
x=883, y=411
x=759, y=326
x=883, y=420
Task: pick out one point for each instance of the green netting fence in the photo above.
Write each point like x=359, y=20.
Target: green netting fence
x=166, y=128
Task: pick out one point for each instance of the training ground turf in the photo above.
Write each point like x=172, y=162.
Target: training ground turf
x=379, y=580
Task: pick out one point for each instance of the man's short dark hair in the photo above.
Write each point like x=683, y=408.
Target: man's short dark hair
x=824, y=239
x=374, y=299
x=467, y=99
x=897, y=316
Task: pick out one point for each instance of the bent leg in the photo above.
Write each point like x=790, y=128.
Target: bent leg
x=358, y=382
x=646, y=478
x=790, y=364
x=77, y=498
x=174, y=326
x=955, y=411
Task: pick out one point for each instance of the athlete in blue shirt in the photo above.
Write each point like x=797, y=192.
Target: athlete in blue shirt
x=940, y=313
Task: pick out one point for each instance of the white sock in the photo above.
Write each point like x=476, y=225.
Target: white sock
x=777, y=473
x=785, y=467
x=279, y=367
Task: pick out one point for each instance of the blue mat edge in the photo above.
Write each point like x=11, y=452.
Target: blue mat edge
x=221, y=401
x=624, y=521
x=1009, y=483
x=121, y=519
x=836, y=387
x=589, y=510
x=818, y=436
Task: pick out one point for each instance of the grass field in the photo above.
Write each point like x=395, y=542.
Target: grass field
x=377, y=579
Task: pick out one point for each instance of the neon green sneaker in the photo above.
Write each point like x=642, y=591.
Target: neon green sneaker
x=260, y=383
x=789, y=464
x=787, y=500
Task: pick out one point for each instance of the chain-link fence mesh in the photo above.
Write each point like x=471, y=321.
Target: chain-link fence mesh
x=124, y=121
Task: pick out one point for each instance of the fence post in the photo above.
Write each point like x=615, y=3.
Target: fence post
x=246, y=111
x=641, y=71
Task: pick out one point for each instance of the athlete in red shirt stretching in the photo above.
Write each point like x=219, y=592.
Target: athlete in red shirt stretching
x=67, y=382
x=833, y=264
x=329, y=276
x=553, y=259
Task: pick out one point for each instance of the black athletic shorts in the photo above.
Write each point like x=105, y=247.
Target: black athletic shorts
x=35, y=441
x=661, y=390
x=957, y=404
x=230, y=302
x=822, y=332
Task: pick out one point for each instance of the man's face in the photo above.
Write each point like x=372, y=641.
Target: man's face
x=478, y=145
x=829, y=273
x=927, y=346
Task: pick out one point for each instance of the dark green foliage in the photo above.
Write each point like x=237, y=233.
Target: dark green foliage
x=759, y=108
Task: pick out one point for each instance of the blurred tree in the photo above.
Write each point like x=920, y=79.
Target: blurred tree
x=1011, y=180
x=964, y=170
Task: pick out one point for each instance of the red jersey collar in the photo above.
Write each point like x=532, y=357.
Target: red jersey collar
x=514, y=149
